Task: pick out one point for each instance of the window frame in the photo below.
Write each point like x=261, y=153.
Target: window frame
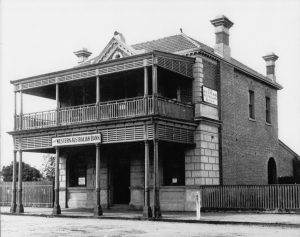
x=79, y=163
x=251, y=104
x=268, y=109
x=173, y=165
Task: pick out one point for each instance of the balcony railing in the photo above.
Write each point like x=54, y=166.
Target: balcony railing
x=128, y=108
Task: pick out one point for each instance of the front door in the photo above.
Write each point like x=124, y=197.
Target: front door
x=121, y=181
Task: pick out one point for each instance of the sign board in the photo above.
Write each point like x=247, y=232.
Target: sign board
x=76, y=140
x=210, y=96
x=81, y=181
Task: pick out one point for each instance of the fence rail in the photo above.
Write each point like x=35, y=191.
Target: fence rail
x=255, y=197
x=35, y=194
x=127, y=108
x=267, y=197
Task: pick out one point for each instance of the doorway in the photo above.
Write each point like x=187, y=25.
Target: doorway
x=121, y=181
x=272, y=171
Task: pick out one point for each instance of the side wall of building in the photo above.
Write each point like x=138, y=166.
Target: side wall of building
x=285, y=162
x=247, y=144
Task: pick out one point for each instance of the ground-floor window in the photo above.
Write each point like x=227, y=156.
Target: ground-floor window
x=77, y=171
x=173, y=164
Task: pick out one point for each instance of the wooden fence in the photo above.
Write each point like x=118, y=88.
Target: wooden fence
x=35, y=194
x=258, y=197
x=254, y=197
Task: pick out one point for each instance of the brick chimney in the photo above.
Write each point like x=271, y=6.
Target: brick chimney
x=222, y=25
x=82, y=55
x=270, y=59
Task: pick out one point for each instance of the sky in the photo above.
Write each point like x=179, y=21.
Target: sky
x=38, y=37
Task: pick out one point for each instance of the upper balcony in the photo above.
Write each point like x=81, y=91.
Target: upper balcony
x=112, y=110
x=159, y=84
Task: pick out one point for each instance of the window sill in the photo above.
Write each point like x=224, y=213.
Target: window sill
x=77, y=188
x=269, y=124
x=252, y=120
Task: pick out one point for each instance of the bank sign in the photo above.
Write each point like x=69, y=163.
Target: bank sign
x=76, y=140
x=210, y=96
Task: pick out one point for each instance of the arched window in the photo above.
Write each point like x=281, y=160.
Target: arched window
x=272, y=171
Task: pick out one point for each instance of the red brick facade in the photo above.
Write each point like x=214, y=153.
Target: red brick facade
x=246, y=145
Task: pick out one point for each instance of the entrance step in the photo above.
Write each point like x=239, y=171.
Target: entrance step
x=120, y=207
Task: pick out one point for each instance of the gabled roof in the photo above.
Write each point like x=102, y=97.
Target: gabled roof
x=183, y=44
x=171, y=44
x=179, y=44
x=281, y=143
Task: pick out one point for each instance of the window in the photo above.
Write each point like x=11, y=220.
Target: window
x=77, y=171
x=268, y=112
x=251, y=105
x=173, y=165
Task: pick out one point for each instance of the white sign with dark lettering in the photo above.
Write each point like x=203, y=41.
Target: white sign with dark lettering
x=210, y=96
x=76, y=140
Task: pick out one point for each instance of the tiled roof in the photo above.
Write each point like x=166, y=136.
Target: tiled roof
x=169, y=44
x=182, y=42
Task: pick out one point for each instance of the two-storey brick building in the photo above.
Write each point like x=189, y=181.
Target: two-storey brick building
x=146, y=124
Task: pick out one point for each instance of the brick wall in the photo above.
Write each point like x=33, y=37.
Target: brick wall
x=247, y=144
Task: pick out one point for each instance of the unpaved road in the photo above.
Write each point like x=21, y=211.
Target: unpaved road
x=46, y=227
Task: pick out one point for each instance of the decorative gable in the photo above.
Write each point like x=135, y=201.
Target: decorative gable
x=116, y=48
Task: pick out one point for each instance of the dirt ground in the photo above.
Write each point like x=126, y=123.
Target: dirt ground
x=53, y=226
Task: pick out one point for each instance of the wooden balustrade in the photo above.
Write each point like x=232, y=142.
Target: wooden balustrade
x=174, y=109
x=77, y=114
x=134, y=107
x=37, y=120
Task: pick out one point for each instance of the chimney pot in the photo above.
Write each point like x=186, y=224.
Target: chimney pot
x=222, y=25
x=83, y=55
x=270, y=59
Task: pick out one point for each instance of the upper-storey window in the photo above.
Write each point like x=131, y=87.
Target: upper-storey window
x=251, y=105
x=268, y=110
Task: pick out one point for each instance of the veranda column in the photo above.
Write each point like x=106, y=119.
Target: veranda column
x=156, y=205
x=15, y=111
x=21, y=110
x=57, y=103
x=20, y=208
x=154, y=84
x=14, y=185
x=98, y=209
x=147, y=209
x=56, y=208
x=145, y=86
x=98, y=96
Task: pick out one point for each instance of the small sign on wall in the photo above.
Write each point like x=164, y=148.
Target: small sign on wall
x=209, y=95
x=81, y=181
